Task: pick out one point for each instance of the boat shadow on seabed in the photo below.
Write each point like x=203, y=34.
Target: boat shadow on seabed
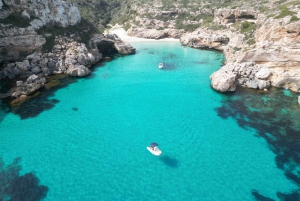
x=172, y=162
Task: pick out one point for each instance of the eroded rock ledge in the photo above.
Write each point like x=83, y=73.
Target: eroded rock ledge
x=67, y=57
x=154, y=33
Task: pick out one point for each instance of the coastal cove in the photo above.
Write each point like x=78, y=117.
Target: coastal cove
x=91, y=143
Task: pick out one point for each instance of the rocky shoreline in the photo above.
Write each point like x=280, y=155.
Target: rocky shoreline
x=270, y=58
x=23, y=60
x=67, y=57
x=260, y=52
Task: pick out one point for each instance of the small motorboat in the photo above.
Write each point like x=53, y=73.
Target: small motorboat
x=160, y=65
x=154, y=149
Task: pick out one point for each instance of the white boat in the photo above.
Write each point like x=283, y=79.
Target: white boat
x=154, y=149
x=160, y=65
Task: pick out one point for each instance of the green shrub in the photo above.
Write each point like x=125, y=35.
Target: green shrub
x=294, y=19
x=16, y=20
x=82, y=31
x=215, y=26
x=207, y=20
x=263, y=9
x=127, y=26
x=247, y=27
x=284, y=11
x=251, y=41
x=271, y=15
x=237, y=49
x=50, y=42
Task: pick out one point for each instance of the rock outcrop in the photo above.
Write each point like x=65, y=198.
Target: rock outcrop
x=223, y=81
x=55, y=11
x=247, y=74
x=18, y=41
x=204, y=38
x=67, y=57
x=111, y=43
x=32, y=84
x=277, y=47
x=154, y=34
x=273, y=59
x=226, y=16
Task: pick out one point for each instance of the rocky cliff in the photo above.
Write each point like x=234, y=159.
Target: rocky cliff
x=252, y=36
x=19, y=39
x=40, y=38
x=260, y=42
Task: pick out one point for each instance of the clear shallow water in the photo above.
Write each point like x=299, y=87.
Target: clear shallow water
x=92, y=144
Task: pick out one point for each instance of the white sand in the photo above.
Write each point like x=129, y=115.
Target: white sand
x=123, y=35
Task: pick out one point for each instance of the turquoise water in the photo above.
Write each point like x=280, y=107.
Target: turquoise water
x=91, y=145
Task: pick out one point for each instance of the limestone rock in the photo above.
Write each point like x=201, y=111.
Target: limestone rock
x=263, y=84
x=263, y=73
x=124, y=48
x=20, y=83
x=18, y=40
x=50, y=64
x=154, y=34
x=252, y=84
x=203, y=38
x=32, y=79
x=147, y=33
x=94, y=55
x=32, y=84
x=91, y=58
x=299, y=100
x=36, y=70
x=36, y=24
x=24, y=65
x=223, y=81
x=25, y=14
x=78, y=71
x=111, y=43
x=225, y=16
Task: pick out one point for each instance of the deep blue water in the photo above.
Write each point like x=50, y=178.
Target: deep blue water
x=89, y=143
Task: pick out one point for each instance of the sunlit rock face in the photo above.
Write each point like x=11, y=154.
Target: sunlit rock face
x=277, y=47
x=19, y=40
x=225, y=16
x=56, y=11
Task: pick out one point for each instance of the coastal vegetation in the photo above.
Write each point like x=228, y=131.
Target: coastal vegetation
x=248, y=28
x=16, y=20
x=185, y=14
x=285, y=10
x=81, y=32
x=98, y=12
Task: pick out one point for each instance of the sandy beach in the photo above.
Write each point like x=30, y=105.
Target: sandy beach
x=124, y=36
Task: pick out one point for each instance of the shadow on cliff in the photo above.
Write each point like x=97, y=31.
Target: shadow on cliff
x=16, y=187
x=275, y=117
